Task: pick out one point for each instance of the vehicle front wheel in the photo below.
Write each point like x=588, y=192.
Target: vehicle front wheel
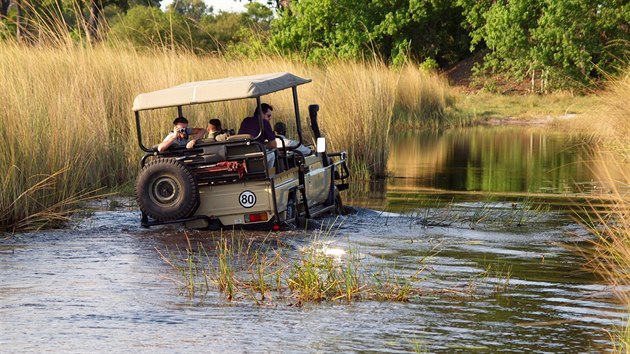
x=166, y=190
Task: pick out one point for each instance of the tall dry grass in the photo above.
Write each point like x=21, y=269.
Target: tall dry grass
x=611, y=253
x=67, y=125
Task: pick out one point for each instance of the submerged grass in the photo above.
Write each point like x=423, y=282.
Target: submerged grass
x=269, y=271
x=68, y=108
x=262, y=276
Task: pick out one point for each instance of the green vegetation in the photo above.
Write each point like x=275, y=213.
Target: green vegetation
x=484, y=106
x=191, y=26
x=267, y=271
x=425, y=31
x=566, y=44
x=552, y=43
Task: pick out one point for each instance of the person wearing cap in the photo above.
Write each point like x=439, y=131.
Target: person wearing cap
x=181, y=135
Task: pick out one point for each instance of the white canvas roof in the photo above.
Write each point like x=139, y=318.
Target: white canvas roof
x=230, y=88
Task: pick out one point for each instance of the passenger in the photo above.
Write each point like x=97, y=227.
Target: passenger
x=251, y=126
x=281, y=130
x=181, y=135
x=215, y=133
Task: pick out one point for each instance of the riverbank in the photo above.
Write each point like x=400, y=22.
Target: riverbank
x=482, y=107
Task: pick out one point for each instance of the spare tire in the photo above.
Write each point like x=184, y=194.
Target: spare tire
x=166, y=190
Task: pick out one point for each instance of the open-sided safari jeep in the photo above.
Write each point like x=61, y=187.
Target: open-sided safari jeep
x=229, y=183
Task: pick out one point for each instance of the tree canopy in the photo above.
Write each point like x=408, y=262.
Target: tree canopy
x=550, y=43
x=394, y=30
x=559, y=43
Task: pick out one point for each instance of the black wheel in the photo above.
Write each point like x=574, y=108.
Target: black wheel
x=292, y=212
x=339, y=210
x=166, y=190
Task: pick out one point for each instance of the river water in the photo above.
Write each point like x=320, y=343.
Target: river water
x=492, y=268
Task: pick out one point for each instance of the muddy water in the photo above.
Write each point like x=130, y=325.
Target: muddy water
x=100, y=285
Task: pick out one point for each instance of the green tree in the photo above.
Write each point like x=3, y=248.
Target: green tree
x=237, y=32
x=391, y=29
x=555, y=43
x=193, y=9
x=150, y=27
x=220, y=30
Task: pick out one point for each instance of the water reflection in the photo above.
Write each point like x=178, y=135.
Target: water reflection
x=491, y=159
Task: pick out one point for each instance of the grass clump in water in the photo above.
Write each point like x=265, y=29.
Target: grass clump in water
x=267, y=271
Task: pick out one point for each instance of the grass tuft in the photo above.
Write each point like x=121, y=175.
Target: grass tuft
x=268, y=271
x=610, y=254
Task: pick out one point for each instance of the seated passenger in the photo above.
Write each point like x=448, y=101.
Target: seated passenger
x=281, y=130
x=215, y=133
x=181, y=135
x=251, y=126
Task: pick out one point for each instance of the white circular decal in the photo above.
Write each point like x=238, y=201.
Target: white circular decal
x=247, y=199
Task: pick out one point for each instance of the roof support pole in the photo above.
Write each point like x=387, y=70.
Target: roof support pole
x=296, y=108
x=260, y=118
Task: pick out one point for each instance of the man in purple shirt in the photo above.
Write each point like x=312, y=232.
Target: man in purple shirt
x=251, y=126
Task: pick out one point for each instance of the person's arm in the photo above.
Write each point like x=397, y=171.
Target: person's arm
x=167, y=142
x=198, y=133
x=269, y=135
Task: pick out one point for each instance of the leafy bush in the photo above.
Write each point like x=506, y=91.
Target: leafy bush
x=329, y=29
x=150, y=27
x=554, y=43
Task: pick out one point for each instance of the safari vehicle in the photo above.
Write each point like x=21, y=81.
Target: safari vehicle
x=229, y=183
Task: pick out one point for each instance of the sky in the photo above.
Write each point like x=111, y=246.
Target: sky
x=227, y=5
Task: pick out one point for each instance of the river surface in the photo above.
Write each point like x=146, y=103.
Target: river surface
x=492, y=269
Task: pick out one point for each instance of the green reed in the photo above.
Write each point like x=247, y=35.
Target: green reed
x=266, y=271
x=192, y=266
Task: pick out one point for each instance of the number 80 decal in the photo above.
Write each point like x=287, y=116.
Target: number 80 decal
x=247, y=199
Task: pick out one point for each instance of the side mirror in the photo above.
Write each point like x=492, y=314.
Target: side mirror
x=321, y=145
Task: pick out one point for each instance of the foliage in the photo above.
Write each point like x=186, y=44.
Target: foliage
x=392, y=29
x=195, y=10
x=50, y=21
x=555, y=43
x=236, y=33
x=552, y=44
x=190, y=24
x=150, y=27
